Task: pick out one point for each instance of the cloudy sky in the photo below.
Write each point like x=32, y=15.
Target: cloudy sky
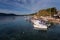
x=26, y=6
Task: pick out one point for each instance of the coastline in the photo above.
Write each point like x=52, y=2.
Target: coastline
x=51, y=19
x=48, y=18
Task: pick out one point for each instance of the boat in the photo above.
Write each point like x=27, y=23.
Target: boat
x=40, y=24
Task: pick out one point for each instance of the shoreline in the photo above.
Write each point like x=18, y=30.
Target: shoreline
x=49, y=19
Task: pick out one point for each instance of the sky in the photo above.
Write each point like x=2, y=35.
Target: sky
x=27, y=6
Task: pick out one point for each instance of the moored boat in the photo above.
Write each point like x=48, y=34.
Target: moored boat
x=40, y=24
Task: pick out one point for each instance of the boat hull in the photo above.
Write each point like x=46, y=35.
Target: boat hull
x=40, y=27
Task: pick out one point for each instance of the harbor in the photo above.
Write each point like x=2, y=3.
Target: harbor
x=51, y=19
x=40, y=24
x=44, y=22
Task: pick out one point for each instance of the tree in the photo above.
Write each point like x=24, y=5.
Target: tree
x=52, y=11
x=47, y=12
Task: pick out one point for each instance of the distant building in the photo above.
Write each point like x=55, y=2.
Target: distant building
x=57, y=15
x=35, y=17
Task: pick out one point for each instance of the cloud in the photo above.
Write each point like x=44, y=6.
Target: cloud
x=25, y=3
x=32, y=5
x=14, y=12
x=9, y=11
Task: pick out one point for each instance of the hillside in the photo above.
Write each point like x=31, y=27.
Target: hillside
x=4, y=14
x=46, y=12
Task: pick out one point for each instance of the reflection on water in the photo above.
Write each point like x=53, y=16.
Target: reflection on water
x=7, y=18
x=17, y=28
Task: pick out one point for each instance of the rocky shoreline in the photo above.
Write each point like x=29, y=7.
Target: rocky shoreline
x=51, y=19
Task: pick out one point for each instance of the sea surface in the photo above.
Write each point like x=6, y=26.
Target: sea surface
x=17, y=28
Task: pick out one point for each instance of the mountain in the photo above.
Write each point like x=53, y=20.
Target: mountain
x=11, y=14
x=4, y=14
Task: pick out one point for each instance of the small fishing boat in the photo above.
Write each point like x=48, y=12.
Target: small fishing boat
x=40, y=25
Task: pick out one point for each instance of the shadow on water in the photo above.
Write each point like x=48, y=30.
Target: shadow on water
x=17, y=28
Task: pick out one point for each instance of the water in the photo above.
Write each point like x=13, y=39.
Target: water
x=17, y=28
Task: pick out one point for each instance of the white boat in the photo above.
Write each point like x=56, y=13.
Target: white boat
x=40, y=25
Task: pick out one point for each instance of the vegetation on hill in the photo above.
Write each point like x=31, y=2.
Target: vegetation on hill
x=52, y=11
x=46, y=12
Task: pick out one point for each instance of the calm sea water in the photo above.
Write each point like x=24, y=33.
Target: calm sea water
x=17, y=28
